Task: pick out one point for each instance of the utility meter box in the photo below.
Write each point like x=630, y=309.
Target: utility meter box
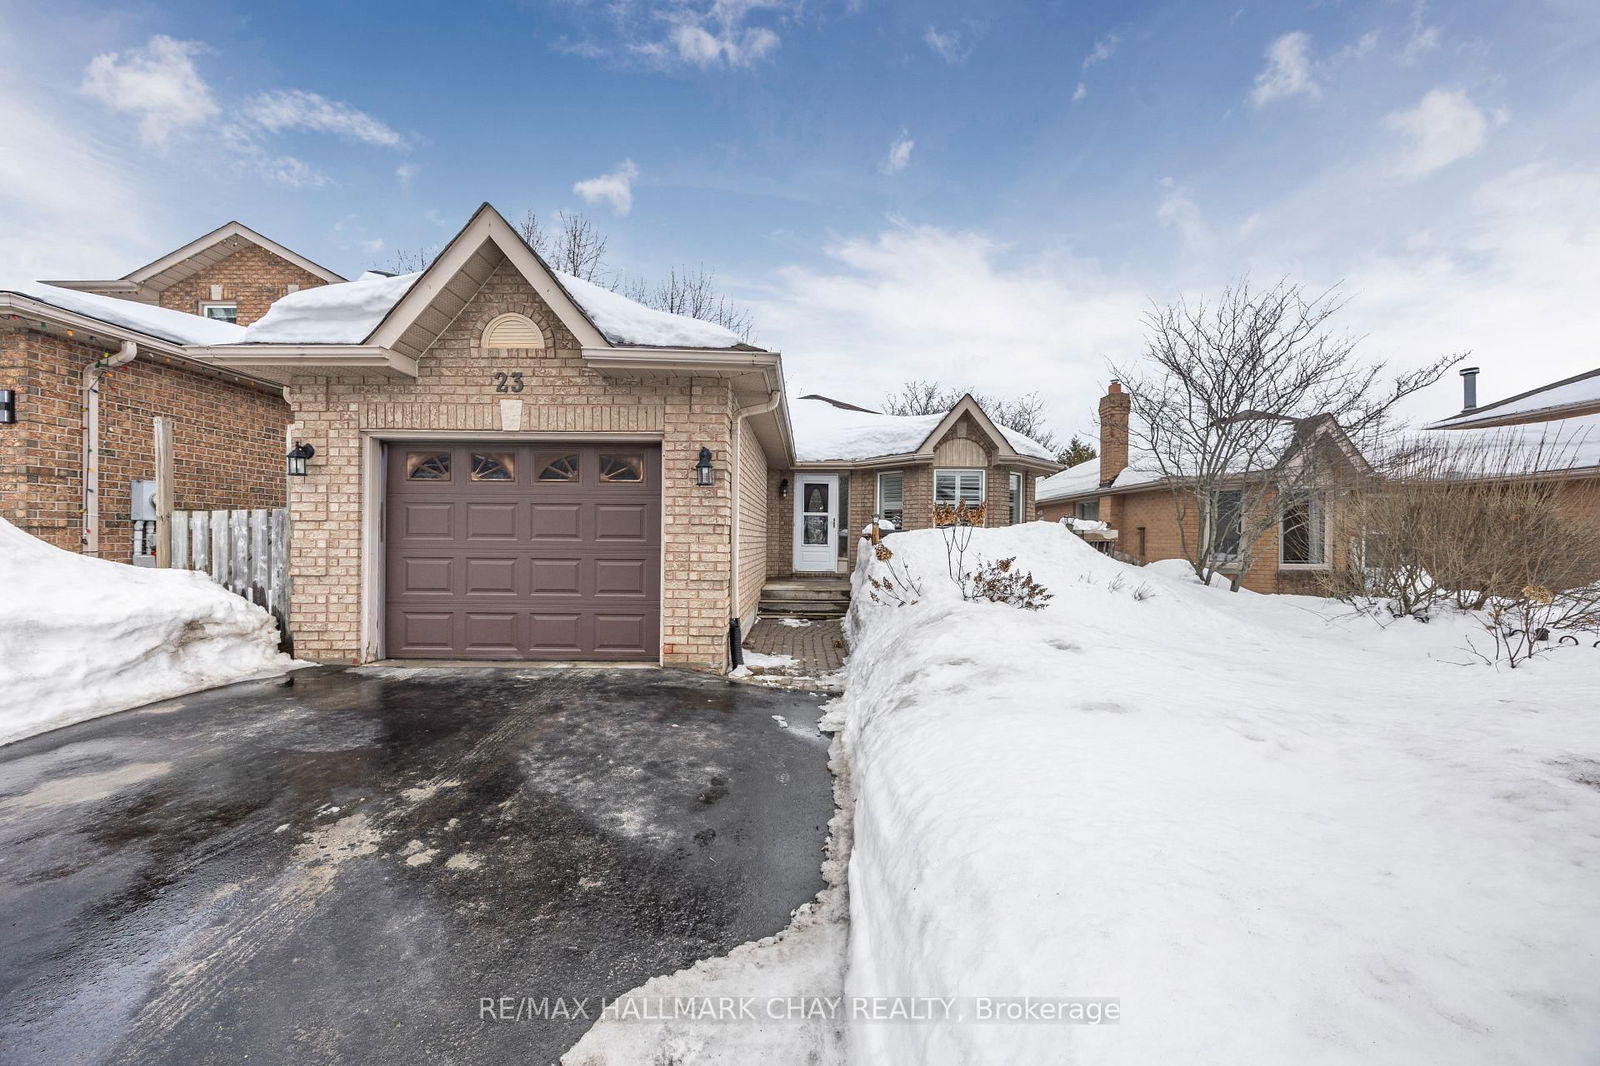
x=143, y=507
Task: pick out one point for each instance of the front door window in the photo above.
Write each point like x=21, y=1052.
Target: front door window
x=816, y=513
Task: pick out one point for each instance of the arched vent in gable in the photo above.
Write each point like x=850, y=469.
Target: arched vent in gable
x=512, y=331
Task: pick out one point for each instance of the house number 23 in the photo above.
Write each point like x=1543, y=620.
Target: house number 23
x=511, y=382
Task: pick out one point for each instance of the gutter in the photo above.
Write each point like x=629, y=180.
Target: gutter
x=735, y=622
x=89, y=403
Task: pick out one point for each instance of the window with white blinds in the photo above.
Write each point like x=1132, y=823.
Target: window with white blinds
x=958, y=486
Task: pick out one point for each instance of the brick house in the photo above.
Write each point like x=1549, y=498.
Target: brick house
x=513, y=463
x=1131, y=510
x=86, y=367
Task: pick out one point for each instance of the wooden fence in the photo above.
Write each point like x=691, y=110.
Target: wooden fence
x=246, y=552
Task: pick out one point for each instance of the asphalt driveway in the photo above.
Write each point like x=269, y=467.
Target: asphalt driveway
x=339, y=870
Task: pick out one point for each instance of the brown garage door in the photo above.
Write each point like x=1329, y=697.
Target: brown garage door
x=505, y=551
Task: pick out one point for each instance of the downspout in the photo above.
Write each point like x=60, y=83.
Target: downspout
x=735, y=623
x=89, y=403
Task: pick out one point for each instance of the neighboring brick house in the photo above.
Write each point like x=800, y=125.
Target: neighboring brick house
x=512, y=463
x=232, y=274
x=87, y=366
x=1134, y=512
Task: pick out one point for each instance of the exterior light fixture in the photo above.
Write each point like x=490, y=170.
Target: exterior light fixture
x=297, y=458
x=783, y=489
x=8, y=407
x=702, y=470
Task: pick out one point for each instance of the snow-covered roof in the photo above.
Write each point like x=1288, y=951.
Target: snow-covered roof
x=1073, y=481
x=343, y=313
x=177, y=327
x=1553, y=447
x=626, y=321
x=824, y=432
x=1581, y=393
x=347, y=313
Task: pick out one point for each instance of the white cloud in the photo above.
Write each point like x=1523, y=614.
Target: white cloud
x=1104, y=48
x=861, y=325
x=1288, y=71
x=614, y=189
x=952, y=46
x=404, y=173
x=296, y=109
x=1423, y=38
x=1178, y=211
x=899, y=154
x=158, y=83
x=711, y=34
x=68, y=206
x=1444, y=127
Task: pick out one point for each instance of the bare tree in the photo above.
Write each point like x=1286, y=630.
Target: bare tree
x=1248, y=405
x=1024, y=414
x=412, y=260
x=692, y=292
x=572, y=246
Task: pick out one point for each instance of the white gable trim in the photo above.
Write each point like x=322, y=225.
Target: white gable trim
x=486, y=225
x=217, y=236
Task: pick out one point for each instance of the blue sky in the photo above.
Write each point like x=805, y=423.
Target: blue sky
x=985, y=194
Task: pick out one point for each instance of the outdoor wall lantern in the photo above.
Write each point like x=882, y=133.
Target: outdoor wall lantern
x=8, y=407
x=702, y=471
x=297, y=458
x=783, y=489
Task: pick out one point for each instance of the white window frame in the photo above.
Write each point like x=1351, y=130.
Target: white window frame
x=1224, y=560
x=1319, y=511
x=958, y=473
x=1019, y=496
x=900, y=519
x=207, y=305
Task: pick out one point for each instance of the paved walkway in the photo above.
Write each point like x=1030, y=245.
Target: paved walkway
x=343, y=869
x=816, y=646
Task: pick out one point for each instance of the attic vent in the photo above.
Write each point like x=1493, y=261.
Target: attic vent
x=512, y=331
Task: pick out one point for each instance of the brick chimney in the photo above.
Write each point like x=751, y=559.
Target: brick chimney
x=1114, y=407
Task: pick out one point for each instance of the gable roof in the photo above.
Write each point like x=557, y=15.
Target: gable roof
x=408, y=312
x=827, y=431
x=1567, y=398
x=148, y=281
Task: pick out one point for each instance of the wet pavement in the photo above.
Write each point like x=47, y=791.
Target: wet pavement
x=340, y=870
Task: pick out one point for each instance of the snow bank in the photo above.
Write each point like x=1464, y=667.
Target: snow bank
x=1271, y=833
x=344, y=313
x=84, y=637
x=823, y=432
x=625, y=321
x=179, y=327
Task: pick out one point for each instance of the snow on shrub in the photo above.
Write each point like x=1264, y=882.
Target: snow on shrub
x=82, y=637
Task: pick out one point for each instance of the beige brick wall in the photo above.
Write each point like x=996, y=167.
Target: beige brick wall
x=252, y=277
x=228, y=439
x=455, y=391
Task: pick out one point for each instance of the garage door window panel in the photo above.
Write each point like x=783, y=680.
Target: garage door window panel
x=625, y=467
x=428, y=466
x=494, y=466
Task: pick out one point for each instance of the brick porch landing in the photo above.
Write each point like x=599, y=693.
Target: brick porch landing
x=817, y=647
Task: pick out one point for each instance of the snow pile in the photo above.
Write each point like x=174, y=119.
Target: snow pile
x=178, y=327
x=1270, y=831
x=345, y=313
x=823, y=432
x=84, y=637
x=626, y=321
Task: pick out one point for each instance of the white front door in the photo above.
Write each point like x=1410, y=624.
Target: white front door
x=816, y=522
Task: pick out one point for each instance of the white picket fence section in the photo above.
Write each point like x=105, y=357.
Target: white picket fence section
x=246, y=552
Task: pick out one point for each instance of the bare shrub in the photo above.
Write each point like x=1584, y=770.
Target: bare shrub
x=1474, y=523
x=1001, y=582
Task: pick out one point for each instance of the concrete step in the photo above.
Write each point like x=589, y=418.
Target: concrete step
x=809, y=609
